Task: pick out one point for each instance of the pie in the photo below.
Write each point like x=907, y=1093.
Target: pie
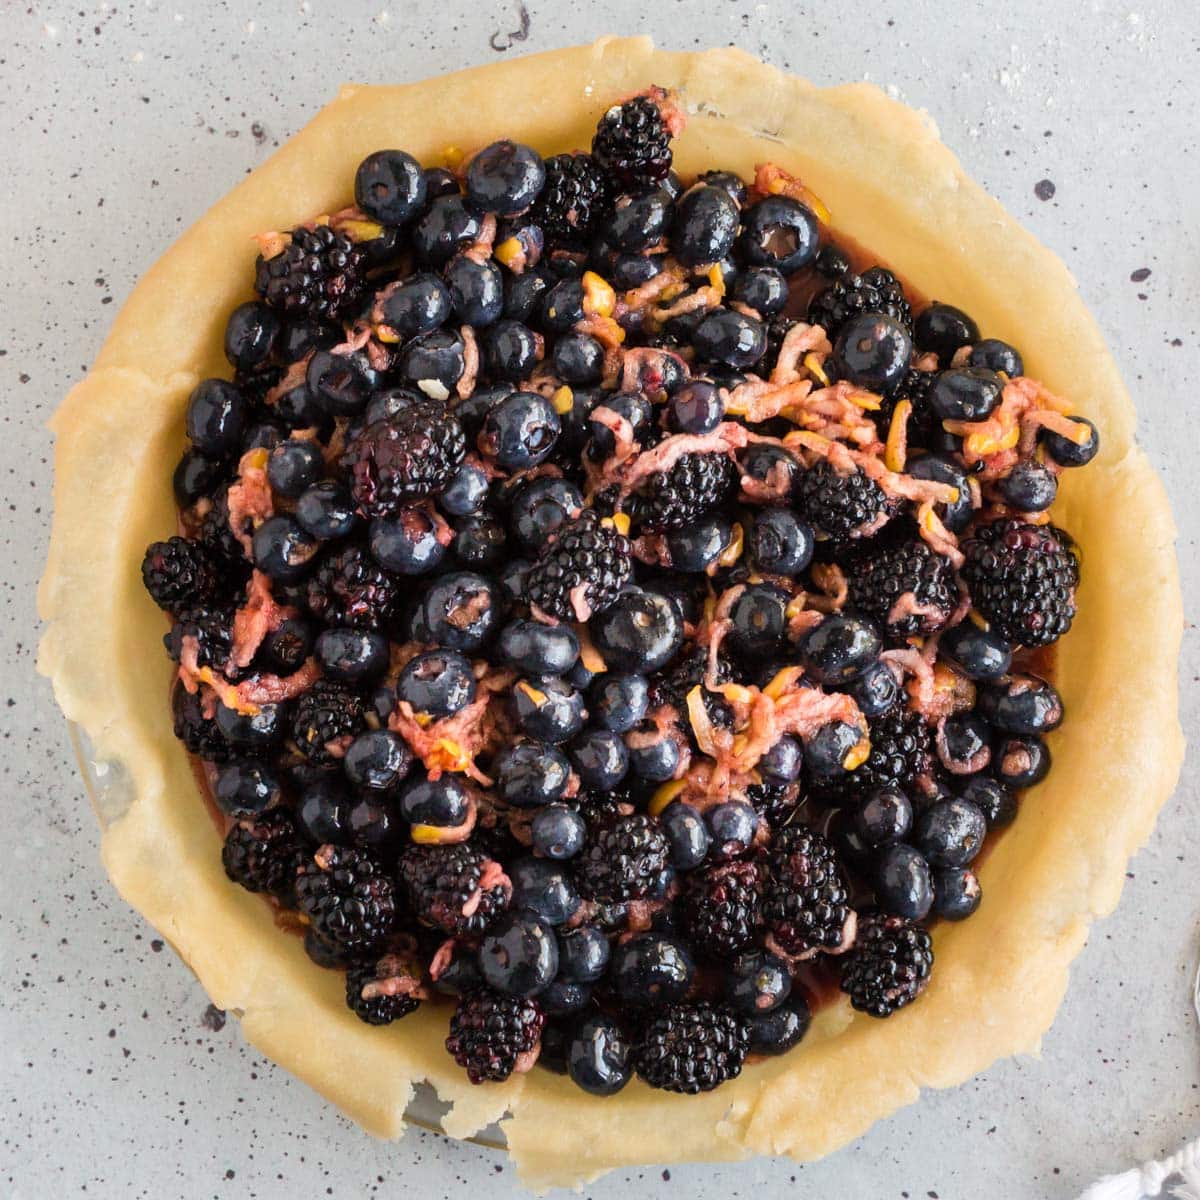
x=614, y=609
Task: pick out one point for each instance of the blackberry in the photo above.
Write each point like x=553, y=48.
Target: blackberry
x=212, y=630
x=385, y=1004
x=922, y=421
x=441, y=881
x=264, y=853
x=897, y=574
x=1023, y=579
x=806, y=900
x=179, y=573
x=572, y=202
x=349, y=898
x=902, y=755
x=837, y=506
x=776, y=803
x=224, y=550
x=889, y=965
x=672, y=684
x=695, y=484
x=722, y=908
x=691, y=1048
x=623, y=859
x=350, y=588
x=326, y=713
x=320, y=273
x=585, y=554
x=633, y=144
x=777, y=330
x=404, y=457
x=876, y=291
x=198, y=733
x=489, y=1032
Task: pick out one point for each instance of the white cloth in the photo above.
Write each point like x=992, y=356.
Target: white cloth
x=1150, y=1178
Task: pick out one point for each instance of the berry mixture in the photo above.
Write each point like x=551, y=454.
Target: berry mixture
x=610, y=608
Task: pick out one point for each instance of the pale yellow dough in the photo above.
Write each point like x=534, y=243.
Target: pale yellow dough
x=893, y=186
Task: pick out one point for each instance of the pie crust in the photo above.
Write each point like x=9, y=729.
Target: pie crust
x=892, y=186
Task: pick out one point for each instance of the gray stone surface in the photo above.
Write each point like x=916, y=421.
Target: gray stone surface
x=120, y=125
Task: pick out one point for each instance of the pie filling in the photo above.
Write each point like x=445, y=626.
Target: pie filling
x=607, y=607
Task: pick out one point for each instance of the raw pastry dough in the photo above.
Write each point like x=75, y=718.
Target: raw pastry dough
x=894, y=187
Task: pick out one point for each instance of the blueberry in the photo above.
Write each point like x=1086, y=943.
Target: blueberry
x=978, y=653
x=375, y=826
x=250, y=334
x=965, y=394
x=448, y=225
x=479, y=541
x=782, y=762
x=357, y=656
x=1020, y=761
x=476, y=291
x=216, y=417
x=826, y=751
x=390, y=402
x=778, y=1031
x=652, y=756
x=884, y=816
x=519, y=955
x=944, y=329
x=696, y=548
x=994, y=355
x=293, y=467
x=283, y=551
x=466, y=492
x=903, y=885
x=759, y=620
x=578, y=358
x=337, y=383
x=520, y=243
x=772, y=466
x=390, y=186
x=557, y=831
x=323, y=811
x=687, y=833
x=1021, y=704
x=635, y=408
x=505, y=178
x=472, y=411
x=524, y=293
x=377, y=762
x=419, y=304
x=303, y=337
x=941, y=469
x=545, y=888
x=562, y=998
x=696, y=408
x=460, y=611
x=408, y=543
x=461, y=974
x=639, y=222
x=872, y=351
x=732, y=826
x=326, y=511
x=996, y=801
x=263, y=435
x=538, y=649
x=195, y=475
x=550, y=709
x=640, y=632
x=841, y=648
x=832, y=262
x=951, y=832
x=298, y=408
x=848, y=842
x=1068, y=453
x=956, y=893
x=730, y=337
x=441, y=802
x=438, y=683
x=779, y=232
x=600, y=759
x=706, y=225
x=757, y=982
x=440, y=181
x=876, y=690
x=651, y=969
x=1030, y=487
x=763, y=289
x=627, y=271
x=540, y=506
x=434, y=362
x=531, y=774
x=562, y=306
x=965, y=743
x=576, y=418
x=514, y=579
x=285, y=648
x=730, y=182
x=599, y=1056
x=618, y=701
x=246, y=787
x=520, y=431
x=780, y=542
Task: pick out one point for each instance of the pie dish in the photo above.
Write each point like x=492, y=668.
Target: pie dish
x=890, y=186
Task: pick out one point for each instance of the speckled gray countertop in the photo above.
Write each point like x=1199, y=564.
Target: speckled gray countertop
x=121, y=124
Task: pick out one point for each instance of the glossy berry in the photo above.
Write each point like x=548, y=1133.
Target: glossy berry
x=731, y=826
x=903, y=884
x=520, y=431
x=326, y=511
x=691, y=1048
x=884, y=816
x=216, y=417
x=390, y=186
x=505, y=178
x=994, y=355
x=780, y=542
x=1029, y=487
x=538, y=649
x=355, y=656
x=779, y=232
x=245, y=788
x=763, y=289
x=1024, y=704
x=706, y=225
x=651, y=969
x=490, y=1032
x=876, y=690
x=438, y=683
x=978, y=653
x=557, y=831
x=1020, y=761
x=1068, y=453
x=618, y=701
x=449, y=224
x=519, y=955
x=550, y=710
x=956, y=893
x=889, y=966
x=873, y=351
x=417, y=304
x=250, y=334
x=993, y=798
x=408, y=543
x=779, y=1029
x=293, y=467
x=696, y=408
x=632, y=142
x=283, y=550
x=541, y=507
x=687, y=834
x=964, y=743
x=730, y=337
x=460, y=611
x=828, y=749
x=950, y=833
x=944, y=329
x=578, y=359
x=965, y=394
x=840, y=648
x=757, y=983
x=957, y=514
x=598, y=1057
x=599, y=758
x=530, y=774
x=377, y=762
x=640, y=632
